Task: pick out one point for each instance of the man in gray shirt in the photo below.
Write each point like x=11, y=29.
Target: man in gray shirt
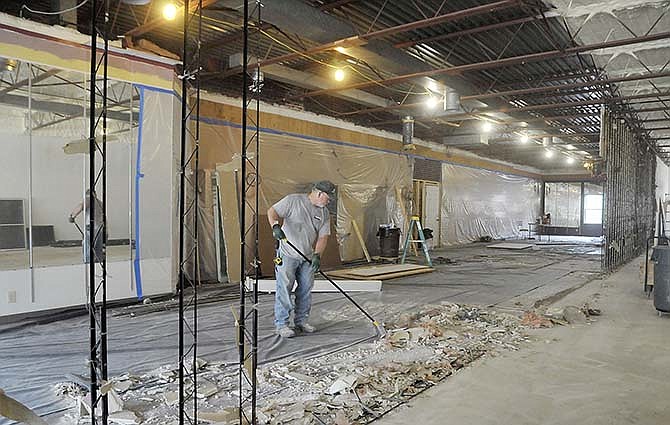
x=306, y=224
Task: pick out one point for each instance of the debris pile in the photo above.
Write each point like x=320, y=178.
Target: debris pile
x=345, y=387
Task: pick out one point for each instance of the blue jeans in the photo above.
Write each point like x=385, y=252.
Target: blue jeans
x=287, y=273
x=99, y=252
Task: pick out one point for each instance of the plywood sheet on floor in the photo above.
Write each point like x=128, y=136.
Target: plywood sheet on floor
x=510, y=246
x=383, y=272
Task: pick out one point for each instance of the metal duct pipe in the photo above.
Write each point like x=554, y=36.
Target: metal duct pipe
x=452, y=101
x=408, y=133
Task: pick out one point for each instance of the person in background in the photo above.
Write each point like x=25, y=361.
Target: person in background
x=98, y=234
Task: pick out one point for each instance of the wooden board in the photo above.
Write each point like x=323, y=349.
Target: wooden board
x=382, y=272
x=368, y=271
x=514, y=246
x=386, y=276
x=268, y=285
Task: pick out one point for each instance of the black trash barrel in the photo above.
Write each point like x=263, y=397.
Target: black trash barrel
x=389, y=241
x=661, y=256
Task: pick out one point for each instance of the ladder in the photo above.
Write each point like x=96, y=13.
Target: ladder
x=414, y=222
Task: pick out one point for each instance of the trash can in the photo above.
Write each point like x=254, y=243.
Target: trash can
x=389, y=241
x=661, y=256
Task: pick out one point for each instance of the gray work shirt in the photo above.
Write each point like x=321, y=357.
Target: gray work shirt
x=304, y=223
x=98, y=212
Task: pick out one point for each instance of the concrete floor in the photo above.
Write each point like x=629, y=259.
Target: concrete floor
x=613, y=371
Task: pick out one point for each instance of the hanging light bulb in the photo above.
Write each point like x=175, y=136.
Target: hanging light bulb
x=169, y=11
x=339, y=74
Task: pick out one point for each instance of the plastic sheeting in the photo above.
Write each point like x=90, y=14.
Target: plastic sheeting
x=477, y=202
x=367, y=180
x=34, y=357
x=563, y=201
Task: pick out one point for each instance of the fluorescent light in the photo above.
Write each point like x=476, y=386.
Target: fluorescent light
x=570, y=147
x=339, y=74
x=487, y=127
x=169, y=11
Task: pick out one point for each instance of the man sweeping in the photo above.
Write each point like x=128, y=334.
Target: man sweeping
x=306, y=224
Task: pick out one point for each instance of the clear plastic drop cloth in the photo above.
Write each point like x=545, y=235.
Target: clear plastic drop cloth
x=478, y=202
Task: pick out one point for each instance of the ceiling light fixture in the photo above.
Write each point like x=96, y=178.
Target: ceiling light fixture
x=169, y=11
x=548, y=153
x=570, y=160
x=524, y=138
x=432, y=102
x=339, y=74
x=340, y=49
x=487, y=127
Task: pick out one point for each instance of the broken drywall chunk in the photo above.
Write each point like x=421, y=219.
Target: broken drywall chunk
x=344, y=383
x=206, y=388
x=124, y=417
x=574, y=315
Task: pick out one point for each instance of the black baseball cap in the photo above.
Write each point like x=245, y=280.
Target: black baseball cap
x=325, y=186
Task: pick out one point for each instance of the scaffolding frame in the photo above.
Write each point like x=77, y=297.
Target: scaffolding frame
x=247, y=339
x=188, y=212
x=97, y=184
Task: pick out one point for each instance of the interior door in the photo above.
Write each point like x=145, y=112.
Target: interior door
x=430, y=217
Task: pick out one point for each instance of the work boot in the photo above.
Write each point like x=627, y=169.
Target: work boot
x=285, y=332
x=305, y=328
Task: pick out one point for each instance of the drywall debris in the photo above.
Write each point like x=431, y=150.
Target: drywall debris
x=344, y=387
x=343, y=384
x=574, y=315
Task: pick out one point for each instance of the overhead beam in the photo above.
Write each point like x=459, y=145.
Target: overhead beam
x=496, y=63
x=43, y=76
x=515, y=109
x=471, y=31
x=360, y=40
x=561, y=87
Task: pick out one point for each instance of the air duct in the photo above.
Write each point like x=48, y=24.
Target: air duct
x=408, y=133
x=452, y=101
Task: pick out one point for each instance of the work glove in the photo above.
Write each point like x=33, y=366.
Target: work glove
x=316, y=262
x=278, y=233
x=71, y=219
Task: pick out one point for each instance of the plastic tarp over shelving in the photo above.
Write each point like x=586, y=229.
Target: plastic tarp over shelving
x=478, y=202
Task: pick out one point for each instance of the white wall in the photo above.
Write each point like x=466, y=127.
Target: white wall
x=59, y=182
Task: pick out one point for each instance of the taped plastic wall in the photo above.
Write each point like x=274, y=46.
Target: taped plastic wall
x=478, y=202
x=366, y=179
x=44, y=163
